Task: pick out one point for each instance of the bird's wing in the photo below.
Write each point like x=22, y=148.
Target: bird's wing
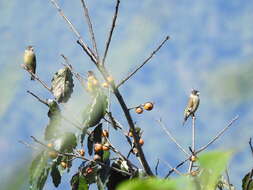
x=34, y=62
x=190, y=104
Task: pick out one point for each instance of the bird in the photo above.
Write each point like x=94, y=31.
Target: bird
x=92, y=82
x=30, y=60
x=192, y=106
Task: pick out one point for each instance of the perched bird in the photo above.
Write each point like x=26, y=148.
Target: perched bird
x=92, y=82
x=30, y=60
x=192, y=106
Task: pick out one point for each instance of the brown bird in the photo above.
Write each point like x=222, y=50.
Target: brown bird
x=192, y=106
x=30, y=60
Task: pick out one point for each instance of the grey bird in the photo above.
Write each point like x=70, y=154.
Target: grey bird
x=192, y=106
x=30, y=60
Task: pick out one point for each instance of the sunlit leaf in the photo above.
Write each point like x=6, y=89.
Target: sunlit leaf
x=213, y=164
x=148, y=184
x=95, y=111
x=54, y=114
x=62, y=85
x=39, y=171
x=66, y=142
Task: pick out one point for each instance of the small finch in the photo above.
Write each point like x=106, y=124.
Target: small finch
x=30, y=60
x=192, y=106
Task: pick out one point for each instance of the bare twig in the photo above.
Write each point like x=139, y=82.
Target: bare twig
x=91, y=31
x=192, y=149
x=156, y=167
x=38, y=98
x=111, y=31
x=228, y=180
x=76, y=74
x=37, y=78
x=218, y=135
x=27, y=144
x=190, y=167
x=146, y=61
x=172, y=170
x=46, y=103
x=172, y=138
x=193, y=133
x=251, y=147
x=74, y=30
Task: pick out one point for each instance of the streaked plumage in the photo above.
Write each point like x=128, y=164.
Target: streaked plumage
x=192, y=106
x=30, y=60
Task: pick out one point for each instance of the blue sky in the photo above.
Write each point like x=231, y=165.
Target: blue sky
x=211, y=49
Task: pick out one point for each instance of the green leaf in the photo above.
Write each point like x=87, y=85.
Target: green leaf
x=213, y=164
x=247, y=181
x=66, y=142
x=62, y=85
x=94, y=112
x=98, y=133
x=55, y=174
x=148, y=184
x=54, y=114
x=79, y=182
x=106, y=155
x=39, y=171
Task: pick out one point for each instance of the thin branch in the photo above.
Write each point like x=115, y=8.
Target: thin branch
x=91, y=31
x=38, y=98
x=251, y=147
x=46, y=103
x=27, y=144
x=193, y=133
x=37, y=78
x=130, y=164
x=174, y=169
x=172, y=138
x=76, y=74
x=218, y=135
x=228, y=180
x=190, y=166
x=156, y=167
x=77, y=156
x=87, y=51
x=192, y=149
x=146, y=61
x=111, y=31
x=179, y=165
x=74, y=30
